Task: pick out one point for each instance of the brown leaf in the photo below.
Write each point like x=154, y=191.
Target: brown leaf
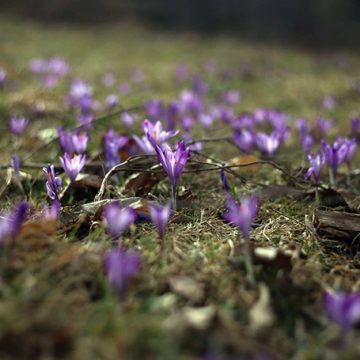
x=141, y=183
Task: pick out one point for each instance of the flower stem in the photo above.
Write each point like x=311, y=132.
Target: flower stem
x=317, y=198
x=248, y=263
x=331, y=177
x=173, y=196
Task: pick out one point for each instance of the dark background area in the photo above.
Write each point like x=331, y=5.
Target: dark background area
x=309, y=22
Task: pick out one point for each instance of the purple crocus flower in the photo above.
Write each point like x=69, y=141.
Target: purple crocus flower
x=355, y=127
x=323, y=125
x=144, y=144
x=155, y=109
x=187, y=123
x=329, y=102
x=244, y=139
x=343, y=309
x=155, y=133
x=113, y=143
x=316, y=164
x=128, y=120
x=51, y=212
x=108, y=79
x=125, y=88
x=118, y=219
x=38, y=66
x=85, y=120
x=53, y=183
x=350, y=146
x=334, y=155
x=2, y=77
x=232, y=97
x=242, y=215
x=79, y=142
x=66, y=141
x=112, y=101
x=302, y=125
x=267, y=144
x=18, y=125
x=173, y=162
x=120, y=266
x=10, y=223
x=15, y=162
x=72, y=165
x=307, y=142
x=160, y=216
x=206, y=120
x=224, y=181
x=58, y=66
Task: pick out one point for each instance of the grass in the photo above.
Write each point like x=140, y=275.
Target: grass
x=54, y=298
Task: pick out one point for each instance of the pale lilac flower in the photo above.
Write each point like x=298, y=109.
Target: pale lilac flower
x=343, y=308
x=350, y=148
x=206, y=120
x=160, y=216
x=72, y=165
x=118, y=219
x=128, y=120
x=121, y=266
x=232, y=96
x=137, y=76
x=53, y=183
x=79, y=142
x=10, y=223
x=244, y=139
x=334, y=155
x=109, y=79
x=66, y=141
x=199, y=86
x=113, y=143
x=307, y=142
x=267, y=144
x=329, y=102
x=323, y=125
x=2, y=77
x=125, y=88
x=316, y=164
x=18, y=125
x=187, y=123
x=112, y=101
x=85, y=120
x=242, y=214
x=189, y=101
x=155, y=133
x=173, y=162
x=51, y=212
x=181, y=72
x=15, y=162
x=355, y=127
x=58, y=66
x=144, y=144
x=155, y=109
x=303, y=126
x=38, y=66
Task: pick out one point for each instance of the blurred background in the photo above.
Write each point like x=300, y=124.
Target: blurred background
x=320, y=23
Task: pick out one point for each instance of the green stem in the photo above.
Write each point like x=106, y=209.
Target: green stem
x=317, y=198
x=331, y=177
x=248, y=263
x=173, y=196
